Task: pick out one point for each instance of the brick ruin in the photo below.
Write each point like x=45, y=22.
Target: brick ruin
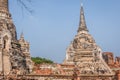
x=86, y=55
x=84, y=58
x=14, y=53
x=70, y=72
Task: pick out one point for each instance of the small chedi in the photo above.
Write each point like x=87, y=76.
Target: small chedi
x=86, y=55
x=14, y=53
x=84, y=58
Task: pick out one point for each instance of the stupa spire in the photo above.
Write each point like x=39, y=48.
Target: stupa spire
x=82, y=23
x=5, y=18
x=22, y=37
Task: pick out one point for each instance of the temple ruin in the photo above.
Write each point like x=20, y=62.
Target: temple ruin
x=84, y=58
x=14, y=53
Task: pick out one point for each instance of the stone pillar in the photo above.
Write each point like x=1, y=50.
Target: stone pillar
x=6, y=61
x=118, y=75
x=4, y=5
x=0, y=61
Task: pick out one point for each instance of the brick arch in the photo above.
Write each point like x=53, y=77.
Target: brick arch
x=5, y=40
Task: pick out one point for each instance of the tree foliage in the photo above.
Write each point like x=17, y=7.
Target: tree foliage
x=39, y=60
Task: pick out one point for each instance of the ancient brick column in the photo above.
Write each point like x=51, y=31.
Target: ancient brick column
x=7, y=35
x=10, y=46
x=4, y=5
x=118, y=75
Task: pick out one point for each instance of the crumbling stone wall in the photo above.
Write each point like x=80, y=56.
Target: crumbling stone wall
x=12, y=54
x=108, y=57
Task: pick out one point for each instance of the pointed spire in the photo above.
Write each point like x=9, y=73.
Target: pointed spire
x=22, y=37
x=82, y=24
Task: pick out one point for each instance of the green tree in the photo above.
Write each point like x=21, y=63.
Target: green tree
x=39, y=60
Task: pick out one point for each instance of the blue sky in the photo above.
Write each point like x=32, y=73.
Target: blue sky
x=54, y=23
